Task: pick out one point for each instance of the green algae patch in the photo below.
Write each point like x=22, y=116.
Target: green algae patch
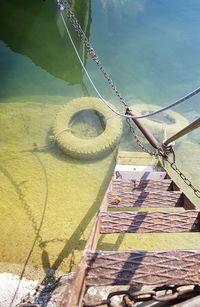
x=136, y=158
x=47, y=199
x=168, y=120
x=149, y=241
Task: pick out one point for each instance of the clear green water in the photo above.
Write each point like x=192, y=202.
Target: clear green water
x=150, y=48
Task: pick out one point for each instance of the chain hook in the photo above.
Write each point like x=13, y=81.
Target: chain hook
x=166, y=150
x=60, y=5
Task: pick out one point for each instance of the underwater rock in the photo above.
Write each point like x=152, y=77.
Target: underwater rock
x=167, y=122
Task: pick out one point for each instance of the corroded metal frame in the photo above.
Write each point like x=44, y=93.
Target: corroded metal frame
x=127, y=267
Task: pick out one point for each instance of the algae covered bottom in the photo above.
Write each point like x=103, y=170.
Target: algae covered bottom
x=40, y=184
x=47, y=199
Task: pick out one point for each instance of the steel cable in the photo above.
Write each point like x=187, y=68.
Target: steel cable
x=96, y=59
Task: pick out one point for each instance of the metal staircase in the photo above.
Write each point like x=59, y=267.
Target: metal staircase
x=138, y=187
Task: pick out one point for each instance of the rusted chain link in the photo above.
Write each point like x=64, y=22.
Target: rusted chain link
x=91, y=52
x=165, y=154
x=138, y=141
x=183, y=177
x=74, y=22
x=90, y=49
x=164, y=151
x=159, y=294
x=63, y=5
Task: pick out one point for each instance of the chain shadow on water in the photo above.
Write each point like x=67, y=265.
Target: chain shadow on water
x=73, y=243
x=30, y=216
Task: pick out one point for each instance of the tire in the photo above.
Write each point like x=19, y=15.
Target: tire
x=172, y=121
x=93, y=147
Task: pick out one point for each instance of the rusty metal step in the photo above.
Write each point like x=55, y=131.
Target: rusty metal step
x=148, y=209
x=123, y=186
x=146, y=199
x=120, y=222
x=145, y=267
x=140, y=188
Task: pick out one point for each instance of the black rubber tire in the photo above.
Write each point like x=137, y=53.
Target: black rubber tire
x=94, y=147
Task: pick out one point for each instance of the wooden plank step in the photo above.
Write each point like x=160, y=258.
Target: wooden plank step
x=123, y=186
x=146, y=199
x=177, y=267
x=148, y=222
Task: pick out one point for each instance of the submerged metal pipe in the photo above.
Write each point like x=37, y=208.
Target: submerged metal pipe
x=187, y=129
x=148, y=135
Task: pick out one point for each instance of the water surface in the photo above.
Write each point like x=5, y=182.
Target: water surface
x=150, y=49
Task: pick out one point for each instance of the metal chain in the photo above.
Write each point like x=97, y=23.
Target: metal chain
x=164, y=154
x=90, y=49
x=158, y=294
x=91, y=52
x=64, y=6
x=183, y=177
x=138, y=141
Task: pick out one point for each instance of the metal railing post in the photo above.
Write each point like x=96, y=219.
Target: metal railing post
x=184, y=131
x=148, y=135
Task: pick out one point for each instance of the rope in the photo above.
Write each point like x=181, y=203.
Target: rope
x=173, y=104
